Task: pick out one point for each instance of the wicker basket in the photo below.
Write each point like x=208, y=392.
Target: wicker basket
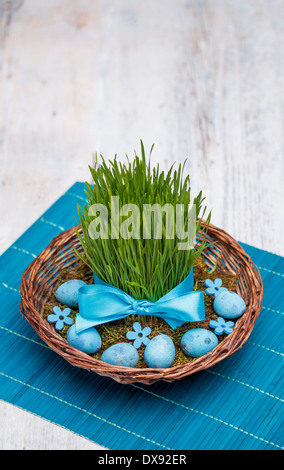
x=42, y=275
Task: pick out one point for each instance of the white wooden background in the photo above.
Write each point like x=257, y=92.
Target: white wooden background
x=202, y=79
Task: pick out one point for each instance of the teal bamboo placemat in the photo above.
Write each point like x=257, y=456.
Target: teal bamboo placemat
x=238, y=404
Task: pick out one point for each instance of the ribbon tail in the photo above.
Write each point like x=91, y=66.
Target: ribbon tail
x=173, y=322
x=82, y=323
x=179, y=310
x=184, y=287
x=99, y=281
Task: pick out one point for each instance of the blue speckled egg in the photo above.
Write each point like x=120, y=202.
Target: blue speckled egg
x=88, y=341
x=67, y=293
x=198, y=341
x=160, y=352
x=121, y=354
x=229, y=304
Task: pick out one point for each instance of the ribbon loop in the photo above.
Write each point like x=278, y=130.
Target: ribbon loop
x=102, y=303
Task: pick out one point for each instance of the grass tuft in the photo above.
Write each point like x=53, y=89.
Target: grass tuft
x=143, y=268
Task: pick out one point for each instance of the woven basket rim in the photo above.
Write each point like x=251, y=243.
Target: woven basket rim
x=55, y=341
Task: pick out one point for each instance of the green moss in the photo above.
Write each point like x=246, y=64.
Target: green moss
x=115, y=332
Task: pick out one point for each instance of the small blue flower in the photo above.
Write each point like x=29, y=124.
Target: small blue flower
x=214, y=287
x=221, y=326
x=139, y=335
x=60, y=317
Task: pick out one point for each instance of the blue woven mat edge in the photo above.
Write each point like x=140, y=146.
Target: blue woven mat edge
x=235, y=405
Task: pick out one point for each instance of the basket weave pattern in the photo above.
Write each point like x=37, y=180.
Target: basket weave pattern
x=42, y=276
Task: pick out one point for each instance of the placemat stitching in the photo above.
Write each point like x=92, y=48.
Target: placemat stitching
x=25, y=337
x=76, y=195
x=14, y=247
x=209, y=416
x=9, y=287
x=83, y=410
x=271, y=272
x=264, y=347
x=52, y=223
x=243, y=383
x=272, y=310
x=162, y=398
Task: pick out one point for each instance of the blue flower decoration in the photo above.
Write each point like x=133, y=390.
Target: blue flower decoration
x=139, y=335
x=60, y=317
x=214, y=287
x=221, y=326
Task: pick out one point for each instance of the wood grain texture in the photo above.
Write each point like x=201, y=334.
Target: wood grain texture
x=25, y=431
x=201, y=79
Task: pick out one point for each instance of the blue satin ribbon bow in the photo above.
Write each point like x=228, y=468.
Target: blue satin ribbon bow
x=101, y=303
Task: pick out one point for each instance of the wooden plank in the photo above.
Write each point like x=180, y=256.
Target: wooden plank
x=200, y=79
x=21, y=430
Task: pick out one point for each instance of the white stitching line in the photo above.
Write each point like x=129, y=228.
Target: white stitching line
x=82, y=409
x=186, y=407
x=51, y=223
x=8, y=287
x=206, y=370
x=264, y=347
x=243, y=383
x=272, y=272
x=272, y=310
x=24, y=251
x=208, y=416
x=209, y=371
x=76, y=195
x=25, y=337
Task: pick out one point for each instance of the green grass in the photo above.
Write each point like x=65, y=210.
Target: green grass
x=144, y=268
